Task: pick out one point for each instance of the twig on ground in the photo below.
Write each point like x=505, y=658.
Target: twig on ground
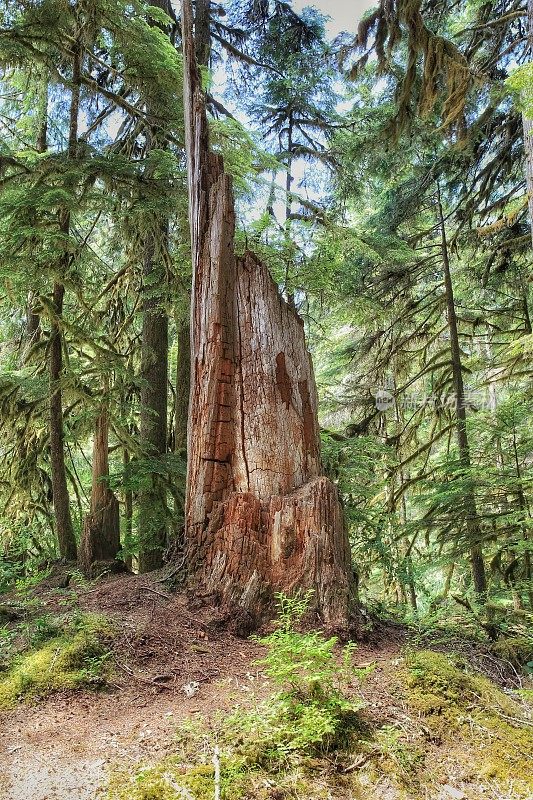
x=155, y=591
x=361, y=761
x=143, y=680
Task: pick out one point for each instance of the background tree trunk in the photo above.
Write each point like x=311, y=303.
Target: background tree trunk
x=202, y=32
x=202, y=43
x=128, y=510
x=33, y=319
x=472, y=520
x=527, y=125
x=152, y=517
x=65, y=531
x=261, y=517
x=152, y=525
x=100, y=540
x=183, y=387
x=61, y=501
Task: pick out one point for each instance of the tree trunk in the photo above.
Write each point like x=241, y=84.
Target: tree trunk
x=183, y=387
x=289, y=291
x=202, y=32
x=65, y=531
x=33, y=325
x=527, y=125
x=472, y=521
x=42, y=115
x=261, y=517
x=152, y=519
x=128, y=510
x=202, y=43
x=33, y=320
x=525, y=514
x=528, y=327
x=405, y=544
x=100, y=540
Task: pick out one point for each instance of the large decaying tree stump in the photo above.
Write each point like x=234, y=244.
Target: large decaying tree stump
x=261, y=517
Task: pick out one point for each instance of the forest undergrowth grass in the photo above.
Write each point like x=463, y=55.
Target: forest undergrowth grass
x=313, y=738
x=317, y=735
x=281, y=747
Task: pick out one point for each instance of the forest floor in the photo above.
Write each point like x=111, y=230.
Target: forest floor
x=173, y=662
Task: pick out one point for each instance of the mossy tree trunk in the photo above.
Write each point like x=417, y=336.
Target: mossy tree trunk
x=100, y=540
x=152, y=497
x=61, y=501
x=152, y=517
x=527, y=125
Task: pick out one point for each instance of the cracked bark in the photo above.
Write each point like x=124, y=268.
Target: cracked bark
x=261, y=517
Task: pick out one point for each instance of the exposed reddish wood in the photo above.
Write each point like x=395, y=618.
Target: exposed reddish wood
x=261, y=517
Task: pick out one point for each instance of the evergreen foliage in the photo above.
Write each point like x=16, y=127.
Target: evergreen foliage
x=342, y=155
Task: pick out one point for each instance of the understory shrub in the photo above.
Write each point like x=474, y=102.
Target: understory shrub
x=310, y=715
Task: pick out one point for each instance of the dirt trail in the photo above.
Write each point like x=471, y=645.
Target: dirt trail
x=63, y=747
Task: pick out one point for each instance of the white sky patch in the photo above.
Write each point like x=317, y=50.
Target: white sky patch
x=344, y=14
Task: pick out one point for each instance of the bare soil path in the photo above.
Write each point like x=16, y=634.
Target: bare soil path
x=62, y=747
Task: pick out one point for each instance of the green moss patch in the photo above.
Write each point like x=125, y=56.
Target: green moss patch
x=169, y=779
x=441, y=685
x=463, y=710
x=77, y=657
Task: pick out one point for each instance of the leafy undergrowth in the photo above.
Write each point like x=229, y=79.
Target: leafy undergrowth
x=456, y=735
x=60, y=654
x=422, y=722
x=276, y=750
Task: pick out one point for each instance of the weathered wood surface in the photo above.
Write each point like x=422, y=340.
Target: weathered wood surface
x=260, y=515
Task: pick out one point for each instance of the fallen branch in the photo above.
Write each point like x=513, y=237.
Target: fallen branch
x=155, y=591
x=143, y=680
x=361, y=761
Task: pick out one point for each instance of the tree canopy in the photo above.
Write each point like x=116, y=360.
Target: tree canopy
x=381, y=177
